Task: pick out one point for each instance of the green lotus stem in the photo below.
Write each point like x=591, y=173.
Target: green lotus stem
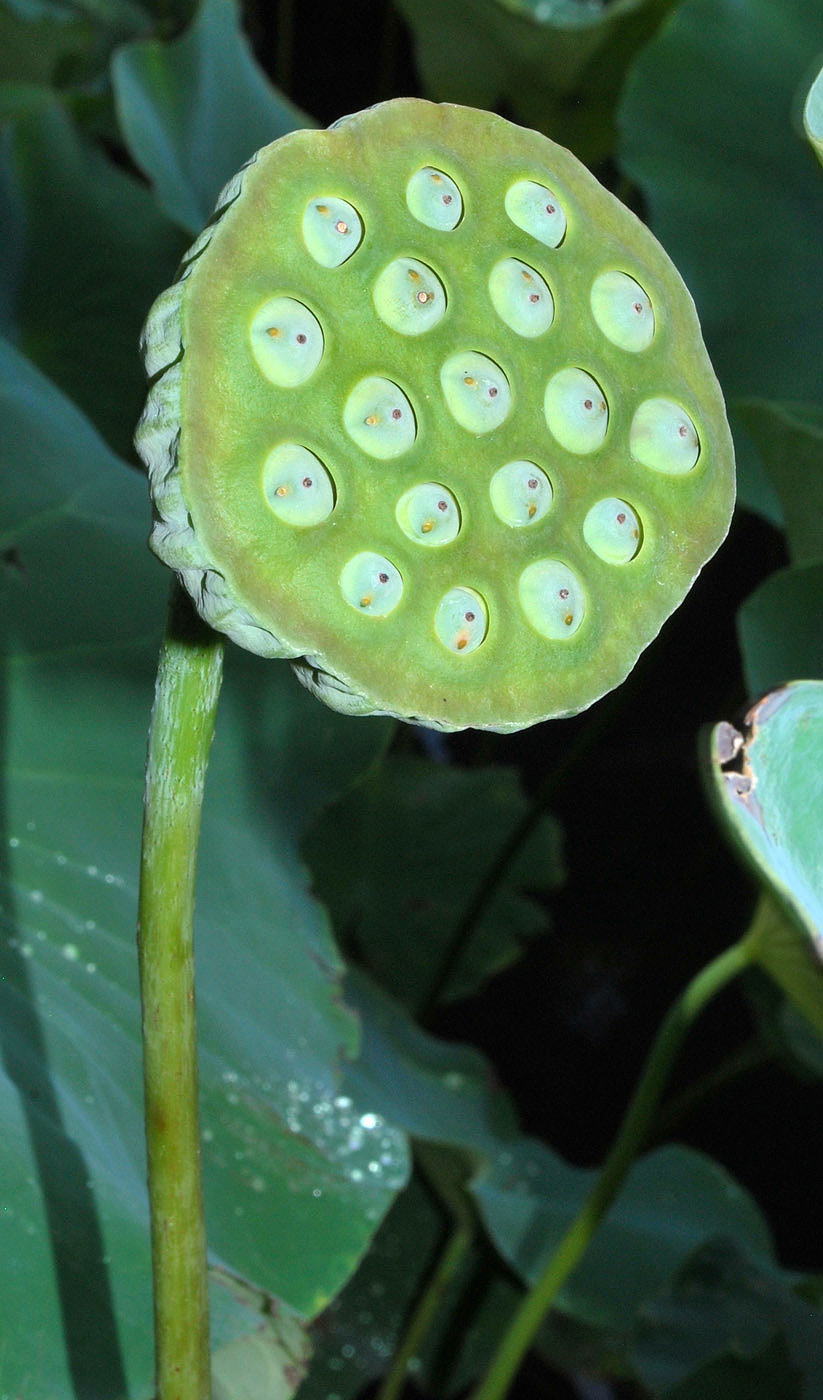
x=628, y=1143
x=188, y=685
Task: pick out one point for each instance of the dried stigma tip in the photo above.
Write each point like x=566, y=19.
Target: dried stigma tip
x=371, y=584
x=332, y=230
x=297, y=486
x=476, y=391
x=536, y=210
x=286, y=341
x=434, y=199
x=612, y=531
x=379, y=418
x=521, y=297
x=663, y=437
x=409, y=297
x=428, y=514
x=461, y=620
x=576, y=410
x=521, y=494
x=552, y=598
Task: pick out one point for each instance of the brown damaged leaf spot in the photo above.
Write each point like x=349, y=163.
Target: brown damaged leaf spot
x=732, y=757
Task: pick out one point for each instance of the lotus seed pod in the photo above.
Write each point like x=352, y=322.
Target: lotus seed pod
x=372, y=452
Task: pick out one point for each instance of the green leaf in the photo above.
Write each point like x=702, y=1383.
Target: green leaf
x=557, y=67
x=768, y=782
x=780, y=627
x=411, y=816
x=813, y=114
x=673, y=1200
x=789, y=438
x=86, y=253
x=726, y=1321
x=296, y=1177
x=430, y=1088
x=194, y=110
x=62, y=44
x=783, y=952
x=732, y=194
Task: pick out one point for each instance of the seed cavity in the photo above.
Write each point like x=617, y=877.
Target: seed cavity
x=434, y=199
x=371, y=584
x=379, y=418
x=662, y=436
x=297, y=486
x=552, y=599
x=622, y=310
x=461, y=620
x=577, y=413
x=521, y=297
x=286, y=341
x=612, y=530
x=409, y=297
x=332, y=230
x=536, y=210
x=476, y=391
x=428, y=514
x=520, y=493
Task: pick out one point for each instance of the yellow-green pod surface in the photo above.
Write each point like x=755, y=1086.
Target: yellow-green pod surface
x=351, y=358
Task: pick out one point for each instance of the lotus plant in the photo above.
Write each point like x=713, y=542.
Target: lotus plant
x=430, y=416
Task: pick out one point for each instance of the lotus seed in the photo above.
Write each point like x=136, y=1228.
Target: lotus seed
x=552, y=598
x=428, y=514
x=332, y=230
x=663, y=437
x=622, y=310
x=371, y=584
x=379, y=418
x=409, y=297
x=461, y=620
x=576, y=411
x=536, y=210
x=521, y=493
x=612, y=530
x=434, y=199
x=476, y=391
x=521, y=297
x=297, y=486
x=287, y=341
